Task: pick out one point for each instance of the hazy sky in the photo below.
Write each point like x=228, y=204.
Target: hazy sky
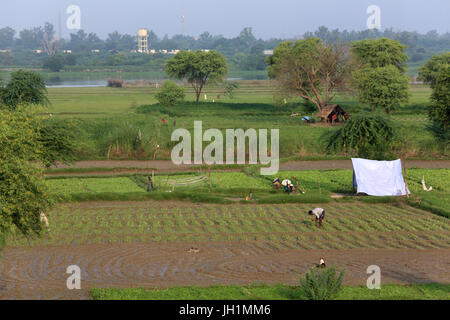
x=275, y=18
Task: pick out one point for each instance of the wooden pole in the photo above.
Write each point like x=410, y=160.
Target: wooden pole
x=209, y=173
x=403, y=163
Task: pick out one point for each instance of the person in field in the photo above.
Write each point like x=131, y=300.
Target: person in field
x=321, y=263
x=319, y=214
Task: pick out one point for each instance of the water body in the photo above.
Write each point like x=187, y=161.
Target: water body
x=56, y=83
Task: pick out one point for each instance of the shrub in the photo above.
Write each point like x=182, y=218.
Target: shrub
x=367, y=135
x=24, y=88
x=170, y=94
x=115, y=83
x=322, y=284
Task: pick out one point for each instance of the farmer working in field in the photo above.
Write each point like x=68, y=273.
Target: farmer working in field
x=319, y=213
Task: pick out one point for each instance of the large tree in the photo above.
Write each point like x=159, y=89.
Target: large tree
x=381, y=81
x=310, y=69
x=7, y=37
x=385, y=87
x=439, y=111
x=23, y=191
x=430, y=70
x=198, y=68
x=378, y=53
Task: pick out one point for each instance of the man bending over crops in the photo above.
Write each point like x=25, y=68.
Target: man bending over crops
x=319, y=213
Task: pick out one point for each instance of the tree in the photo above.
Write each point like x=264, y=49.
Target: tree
x=24, y=87
x=170, y=94
x=58, y=141
x=54, y=63
x=384, y=87
x=381, y=80
x=198, y=68
x=23, y=191
x=7, y=37
x=378, y=53
x=430, y=70
x=439, y=111
x=367, y=135
x=310, y=69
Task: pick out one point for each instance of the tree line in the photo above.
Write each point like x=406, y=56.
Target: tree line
x=244, y=52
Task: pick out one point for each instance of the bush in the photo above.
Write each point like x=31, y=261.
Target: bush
x=24, y=88
x=322, y=284
x=115, y=83
x=367, y=135
x=170, y=94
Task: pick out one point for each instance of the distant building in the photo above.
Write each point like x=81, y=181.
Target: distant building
x=95, y=50
x=143, y=44
x=67, y=51
x=268, y=52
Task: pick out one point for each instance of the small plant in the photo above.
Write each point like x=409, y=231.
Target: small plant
x=322, y=283
x=229, y=89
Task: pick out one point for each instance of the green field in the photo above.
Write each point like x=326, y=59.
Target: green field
x=348, y=225
x=275, y=292
x=96, y=112
x=317, y=185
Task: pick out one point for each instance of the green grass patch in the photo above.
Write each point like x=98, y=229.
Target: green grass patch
x=432, y=291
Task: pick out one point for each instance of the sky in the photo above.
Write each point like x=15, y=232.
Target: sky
x=268, y=18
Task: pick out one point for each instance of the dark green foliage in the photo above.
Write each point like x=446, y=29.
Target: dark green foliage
x=429, y=72
x=382, y=87
x=365, y=134
x=322, y=283
x=54, y=63
x=24, y=88
x=439, y=111
x=115, y=83
x=23, y=191
x=58, y=139
x=379, y=53
x=381, y=80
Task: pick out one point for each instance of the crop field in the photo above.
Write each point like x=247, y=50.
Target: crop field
x=348, y=226
x=314, y=182
x=64, y=187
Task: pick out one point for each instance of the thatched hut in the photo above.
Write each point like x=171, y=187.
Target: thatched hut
x=332, y=113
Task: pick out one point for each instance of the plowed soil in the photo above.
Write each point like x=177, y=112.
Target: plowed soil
x=39, y=272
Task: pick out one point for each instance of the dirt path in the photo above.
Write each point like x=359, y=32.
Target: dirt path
x=39, y=272
x=167, y=166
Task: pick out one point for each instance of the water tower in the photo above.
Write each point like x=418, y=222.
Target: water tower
x=143, y=41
